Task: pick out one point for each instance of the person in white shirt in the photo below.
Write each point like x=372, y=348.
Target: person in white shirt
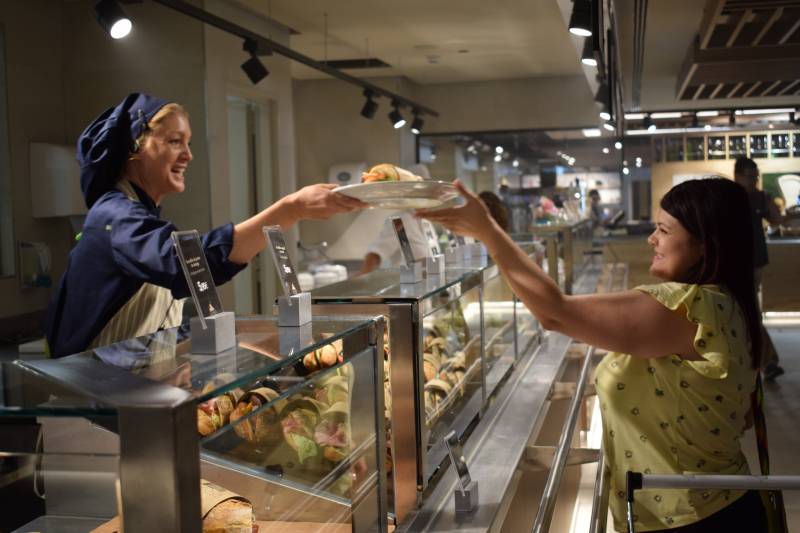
x=384, y=251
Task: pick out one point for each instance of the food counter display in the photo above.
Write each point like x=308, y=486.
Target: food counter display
x=449, y=344
x=568, y=247
x=283, y=432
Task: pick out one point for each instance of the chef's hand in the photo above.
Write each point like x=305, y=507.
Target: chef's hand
x=471, y=219
x=319, y=202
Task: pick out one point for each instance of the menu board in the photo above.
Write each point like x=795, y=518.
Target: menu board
x=405, y=245
x=283, y=263
x=431, y=237
x=198, y=276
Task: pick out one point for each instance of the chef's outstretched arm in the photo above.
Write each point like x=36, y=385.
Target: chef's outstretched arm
x=314, y=202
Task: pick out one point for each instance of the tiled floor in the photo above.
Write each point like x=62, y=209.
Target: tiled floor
x=782, y=400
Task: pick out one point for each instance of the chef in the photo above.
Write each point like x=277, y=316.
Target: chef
x=123, y=278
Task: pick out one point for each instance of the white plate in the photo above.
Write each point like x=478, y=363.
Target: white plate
x=401, y=194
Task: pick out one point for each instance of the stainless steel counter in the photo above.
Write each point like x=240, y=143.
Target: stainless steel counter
x=497, y=444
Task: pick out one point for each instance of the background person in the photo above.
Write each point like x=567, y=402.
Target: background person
x=675, y=388
x=123, y=278
x=762, y=208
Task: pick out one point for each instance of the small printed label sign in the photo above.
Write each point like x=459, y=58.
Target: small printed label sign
x=405, y=245
x=432, y=237
x=283, y=263
x=198, y=276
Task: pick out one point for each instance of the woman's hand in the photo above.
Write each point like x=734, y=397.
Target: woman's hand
x=319, y=202
x=471, y=219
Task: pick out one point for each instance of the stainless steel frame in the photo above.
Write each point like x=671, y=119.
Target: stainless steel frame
x=414, y=462
x=159, y=473
x=547, y=505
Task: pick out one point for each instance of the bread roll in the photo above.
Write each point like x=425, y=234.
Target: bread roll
x=388, y=172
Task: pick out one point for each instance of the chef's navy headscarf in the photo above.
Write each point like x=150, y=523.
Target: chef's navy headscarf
x=105, y=144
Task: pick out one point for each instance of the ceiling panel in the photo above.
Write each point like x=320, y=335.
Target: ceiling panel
x=430, y=41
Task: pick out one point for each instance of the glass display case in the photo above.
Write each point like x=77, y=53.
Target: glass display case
x=674, y=149
x=285, y=430
x=449, y=344
x=758, y=147
x=695, y=149
x=737, y=147
x=716, y=147
x=779, y=145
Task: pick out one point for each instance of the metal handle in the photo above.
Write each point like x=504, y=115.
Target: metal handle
x=597, y=524
x=636, y=481
x=547, y=505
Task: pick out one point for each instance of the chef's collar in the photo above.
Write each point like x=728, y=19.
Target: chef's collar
x=136, y=193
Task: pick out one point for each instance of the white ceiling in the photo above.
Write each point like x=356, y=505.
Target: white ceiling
x=431, y=41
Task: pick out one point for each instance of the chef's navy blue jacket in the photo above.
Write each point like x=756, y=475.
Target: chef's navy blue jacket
x=124, y=244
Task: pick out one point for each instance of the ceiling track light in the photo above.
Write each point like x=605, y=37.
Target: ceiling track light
x=113, y=19
x=648, y=124
x=370, y=105
x=190, y=9
x=605, y=115
x=580, y=22
x=395, y=117
x=609, y=126
x=416, y=124
x=588, y=56
x=695, y=121
x=732, y=118
x=253, y=67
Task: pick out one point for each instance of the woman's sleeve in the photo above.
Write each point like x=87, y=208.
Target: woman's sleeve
x=143, y=248
x=706, y=308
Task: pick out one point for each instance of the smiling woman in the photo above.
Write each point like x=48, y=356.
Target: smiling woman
x=675, y=387
x=123, y=278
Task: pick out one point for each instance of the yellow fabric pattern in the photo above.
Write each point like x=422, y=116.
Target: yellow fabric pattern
x=671, y=416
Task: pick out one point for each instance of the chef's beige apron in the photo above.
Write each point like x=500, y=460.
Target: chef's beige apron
x=149, y=309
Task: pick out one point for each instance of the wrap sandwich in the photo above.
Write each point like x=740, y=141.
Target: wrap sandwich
x=387, y=172
x=262, y=427
x=298, y=420
x=332, y=434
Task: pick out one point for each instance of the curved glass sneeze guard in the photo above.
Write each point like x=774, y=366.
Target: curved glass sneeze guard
x=6, y=211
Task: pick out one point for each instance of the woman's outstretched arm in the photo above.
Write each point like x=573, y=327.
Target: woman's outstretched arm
x=628, y=322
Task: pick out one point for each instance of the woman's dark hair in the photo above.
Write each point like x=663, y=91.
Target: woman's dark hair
x=716, y=212
x=496, y=208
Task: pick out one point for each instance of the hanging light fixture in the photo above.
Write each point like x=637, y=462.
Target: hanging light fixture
x=587, y=57
x=732, y=118
x=253, y=67
x=580, y=23
x=113, y=19
x=605, y=115
x=397, y=119
x=648, y=123
x=370, y=106
x=416, y=124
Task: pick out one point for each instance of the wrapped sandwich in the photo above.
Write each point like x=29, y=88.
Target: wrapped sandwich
x=332, y=434
x=298, y=420
x=325, y=357
x=216, y=412
x=387, y=172
x=264, y=426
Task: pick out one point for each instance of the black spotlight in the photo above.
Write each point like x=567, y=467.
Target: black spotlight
x=397, y=119
x=417, y=123
x=695, y=121
x=370, y=106
x=587, y=57
x=113, y=19
x=732, y=118
x=648, y=124
x=580, y=23
x=253, y=67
